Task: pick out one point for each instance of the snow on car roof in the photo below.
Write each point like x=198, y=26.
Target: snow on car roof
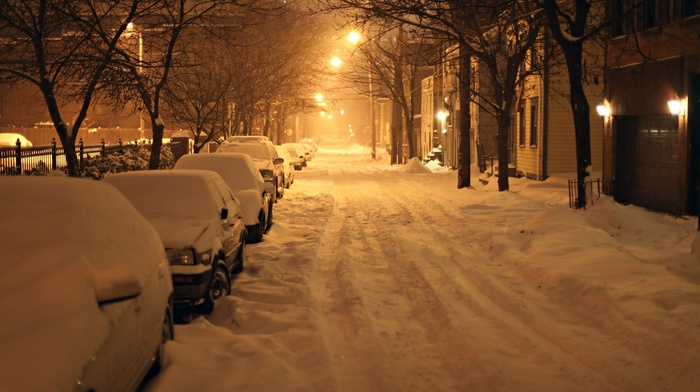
x=256, y=150
x=56, y=232
x=10, y=139
x=237, y=169
x=182, y=193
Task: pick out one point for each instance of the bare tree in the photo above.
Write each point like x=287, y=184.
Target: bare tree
x=197, y=96
x=572, y=26
x=499, y=34
x=63, y=47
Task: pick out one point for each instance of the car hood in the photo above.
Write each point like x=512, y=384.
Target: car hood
x=186, y=233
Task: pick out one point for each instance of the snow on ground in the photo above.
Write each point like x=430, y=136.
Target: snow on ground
x=388, y=278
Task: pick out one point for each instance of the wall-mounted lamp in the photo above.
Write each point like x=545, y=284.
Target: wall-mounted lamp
x=442, y=115
x=603, y=111
x=674, y=106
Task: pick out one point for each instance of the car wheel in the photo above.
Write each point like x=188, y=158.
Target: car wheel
x=241, y=259
x=220, y=286
x=269, y=217
x=280, y=189
x=255, y=234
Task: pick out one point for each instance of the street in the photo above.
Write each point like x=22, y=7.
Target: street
x=374, y=278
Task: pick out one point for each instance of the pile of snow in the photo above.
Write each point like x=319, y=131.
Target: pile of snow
x=414, y=165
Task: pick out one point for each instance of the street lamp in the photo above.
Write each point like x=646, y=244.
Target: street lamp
x=354, y=37
x=130, y=27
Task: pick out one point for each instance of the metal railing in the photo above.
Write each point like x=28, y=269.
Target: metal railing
x=594, y=190
x=20, y=160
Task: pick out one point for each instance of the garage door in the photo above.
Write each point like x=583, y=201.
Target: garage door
x=647, y=163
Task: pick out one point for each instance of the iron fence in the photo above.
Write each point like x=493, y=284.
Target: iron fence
x=24, y=160
x=594, y=190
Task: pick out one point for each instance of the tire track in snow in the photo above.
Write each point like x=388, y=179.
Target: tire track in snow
x=542, y=341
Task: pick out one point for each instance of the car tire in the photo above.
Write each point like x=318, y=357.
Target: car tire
x=220, y=287
x=255, y=234
x=269, y=218
x=241, y=260
x=280, y=188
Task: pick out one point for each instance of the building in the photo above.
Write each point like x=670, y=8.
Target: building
x=652, y=134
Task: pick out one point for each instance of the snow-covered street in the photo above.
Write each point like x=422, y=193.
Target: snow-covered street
x=386, y=278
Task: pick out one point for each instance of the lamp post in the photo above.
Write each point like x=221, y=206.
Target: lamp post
x=130, y=27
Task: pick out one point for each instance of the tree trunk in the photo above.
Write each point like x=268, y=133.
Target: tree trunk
x=582, y=126
x=502, y=146
x=267, y=121
x=64, y=133
x=464, y=154
x=156, y=144
x=573, y=53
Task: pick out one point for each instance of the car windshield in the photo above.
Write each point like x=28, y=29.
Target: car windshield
x=257, y=151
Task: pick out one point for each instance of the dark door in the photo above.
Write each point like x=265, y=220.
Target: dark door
x=647, y=162
x=694, y=145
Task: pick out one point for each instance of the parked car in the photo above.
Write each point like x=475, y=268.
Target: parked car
x=270, y=165
x=244, y=179
x=297, y=155
x=248, y=138
x=10, y=140
x=301, y=151
x=85, y=288
x=311, y=143
x=310, y=154
x=199, y=221
x=288, y=165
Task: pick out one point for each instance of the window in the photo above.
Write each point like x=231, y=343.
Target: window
x=521, y=131
x=533, y=121
x=652, y=13
x=534, y=58
x=690, y=8
x=621, y=17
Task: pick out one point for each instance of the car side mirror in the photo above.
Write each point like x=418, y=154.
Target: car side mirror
x=278, y=161
x=115, y=283
x=224, y=213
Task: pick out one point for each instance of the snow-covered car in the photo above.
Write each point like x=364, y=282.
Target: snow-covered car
x=266, y=160
x=311, y=143
x=310, y=154
x=247, y=138
x=299, y=151
x=288, y=165
x=10, y=140
x=244, y=179
x=85, y=288
x=199, y=221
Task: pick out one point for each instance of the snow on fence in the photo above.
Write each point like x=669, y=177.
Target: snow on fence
x=22, y=160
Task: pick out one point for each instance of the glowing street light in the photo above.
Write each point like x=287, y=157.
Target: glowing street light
x=336, y=61
x=354, y=37
x=319, y=97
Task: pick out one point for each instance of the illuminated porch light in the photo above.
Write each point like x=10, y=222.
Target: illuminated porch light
x=674, y=106
x=319, y=97
x=603, y=111
x=442, y=115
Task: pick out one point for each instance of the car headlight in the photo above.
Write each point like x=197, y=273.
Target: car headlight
x=187, y=257
x=267, y=174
